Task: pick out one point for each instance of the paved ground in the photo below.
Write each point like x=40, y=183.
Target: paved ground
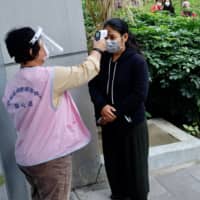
x=176, y=183
x=3, y=195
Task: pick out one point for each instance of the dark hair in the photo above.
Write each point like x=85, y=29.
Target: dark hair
x=18, y=44
x=122, y=27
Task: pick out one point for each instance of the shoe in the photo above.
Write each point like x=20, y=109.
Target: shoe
x=116, y=197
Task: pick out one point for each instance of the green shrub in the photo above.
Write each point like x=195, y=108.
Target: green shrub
x=193, y=129
x=171, y=46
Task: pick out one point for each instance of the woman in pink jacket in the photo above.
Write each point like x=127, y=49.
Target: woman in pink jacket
x=49, y=127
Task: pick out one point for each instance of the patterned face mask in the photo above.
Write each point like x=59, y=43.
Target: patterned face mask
x=112, y=46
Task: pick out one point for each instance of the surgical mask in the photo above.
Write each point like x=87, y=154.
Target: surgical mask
x=167, y=3
x=51, y=47
x=112, y=46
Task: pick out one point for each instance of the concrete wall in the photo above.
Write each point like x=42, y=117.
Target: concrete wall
x=63, y=21
x=16, y=187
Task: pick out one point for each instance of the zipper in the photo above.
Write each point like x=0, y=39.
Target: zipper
x=108, y=81
x=113, y=79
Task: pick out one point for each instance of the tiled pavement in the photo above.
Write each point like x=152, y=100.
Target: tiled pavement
x=176, y=183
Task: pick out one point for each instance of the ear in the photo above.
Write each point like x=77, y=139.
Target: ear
x=31, y=51
x=125, y=37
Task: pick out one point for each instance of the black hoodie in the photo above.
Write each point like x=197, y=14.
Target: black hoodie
x=122, y=84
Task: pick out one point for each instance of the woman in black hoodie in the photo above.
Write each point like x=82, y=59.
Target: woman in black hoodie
x=118, y=94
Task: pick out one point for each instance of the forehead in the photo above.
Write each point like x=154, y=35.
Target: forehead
x=111, y=31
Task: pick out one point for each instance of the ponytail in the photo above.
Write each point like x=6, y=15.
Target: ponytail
x=132, y=43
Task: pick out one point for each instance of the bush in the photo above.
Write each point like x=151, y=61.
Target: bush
x=171, y=46
x=193, y=129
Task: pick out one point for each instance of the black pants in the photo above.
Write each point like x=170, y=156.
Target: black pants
x=126, y=160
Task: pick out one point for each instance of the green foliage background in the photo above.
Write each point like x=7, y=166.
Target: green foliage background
x=194, y=4
x=171, y=45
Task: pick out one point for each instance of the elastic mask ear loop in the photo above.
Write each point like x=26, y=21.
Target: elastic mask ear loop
x=46, y=51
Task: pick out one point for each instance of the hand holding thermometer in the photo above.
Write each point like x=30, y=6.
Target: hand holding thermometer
x=100, y=34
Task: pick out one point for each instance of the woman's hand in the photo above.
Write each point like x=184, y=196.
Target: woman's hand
x=100, y=44
x=107, y=114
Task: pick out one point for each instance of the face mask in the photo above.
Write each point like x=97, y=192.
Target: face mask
x=167, y=3
x=112, y=46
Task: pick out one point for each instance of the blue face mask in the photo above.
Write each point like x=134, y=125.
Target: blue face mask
x=112, y=46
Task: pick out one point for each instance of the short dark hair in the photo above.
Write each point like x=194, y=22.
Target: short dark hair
x=18, y=44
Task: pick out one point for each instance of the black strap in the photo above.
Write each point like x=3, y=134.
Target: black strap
x=98, y=50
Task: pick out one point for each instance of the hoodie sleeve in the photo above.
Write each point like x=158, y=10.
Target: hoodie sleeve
x=97, y=98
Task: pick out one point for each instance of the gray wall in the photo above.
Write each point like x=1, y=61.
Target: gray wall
x=16, y=187
x=63, y=21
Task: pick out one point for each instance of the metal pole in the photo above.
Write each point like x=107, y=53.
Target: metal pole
x=15, y=182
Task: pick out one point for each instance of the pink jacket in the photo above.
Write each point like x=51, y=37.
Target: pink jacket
x=44, y=132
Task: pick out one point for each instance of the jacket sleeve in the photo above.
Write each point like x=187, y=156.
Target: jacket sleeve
x=140, y=85
x=64, y=78
x=74, y=76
